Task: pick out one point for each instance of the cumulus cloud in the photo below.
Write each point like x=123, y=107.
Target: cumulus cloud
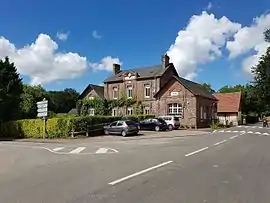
x=62, y=35
x=105, y=64
x=209, y=6
x=200, y=42
x=250, y=38
x=96, y=35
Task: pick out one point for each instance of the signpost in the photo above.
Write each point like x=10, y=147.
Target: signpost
x=42, y=112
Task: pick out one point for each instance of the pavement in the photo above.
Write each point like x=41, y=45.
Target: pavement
x=225, y=166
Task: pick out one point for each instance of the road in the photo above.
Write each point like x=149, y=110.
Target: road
x=227, y=166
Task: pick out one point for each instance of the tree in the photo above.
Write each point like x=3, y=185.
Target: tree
x=267, y=35
x=31, y=95
x=262, y=81
x=10, y=91
x=208, y=88
x=230, y=89
x=62, y=101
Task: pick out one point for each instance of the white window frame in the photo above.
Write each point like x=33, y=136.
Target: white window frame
x=129, y=111
x=201, y=112
x=115, y=93
x=147, y=89
x=114, y=112
x=175, y=109
x=129, y=91
x=147, y=110
x=91, y=111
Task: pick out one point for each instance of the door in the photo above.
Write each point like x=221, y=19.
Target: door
x=145, y=125
x=112, y=129
x=119, y=127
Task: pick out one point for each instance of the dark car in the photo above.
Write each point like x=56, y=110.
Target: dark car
x=122, y=127
x=156, y=124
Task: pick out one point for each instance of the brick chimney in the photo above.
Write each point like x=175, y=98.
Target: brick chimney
x=116, y=68
x=165, y=60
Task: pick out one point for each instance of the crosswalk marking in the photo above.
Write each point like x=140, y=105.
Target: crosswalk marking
x=257, y=133
x=58, y=149
x=101, y=151
x=265, y=133
x=228, y=131
x=77, y=150
x=235, y=131
x=250, y=132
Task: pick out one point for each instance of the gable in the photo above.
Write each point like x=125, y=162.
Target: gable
x=92, y=91
x=228, y=102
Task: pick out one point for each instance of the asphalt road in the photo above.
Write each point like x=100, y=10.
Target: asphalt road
x=230, y=166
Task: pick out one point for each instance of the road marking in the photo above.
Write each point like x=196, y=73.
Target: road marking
x=139, y=173
x=228, y=131
x=250, y=132
x=101, y=151
x=265, y=133
x=221, y=131
x=257, y=133
x=221, y=142
x=242, y=132
x=239, y=126
x=197, y=151
x=77, y=150
x=58, y=149
x=253, y=127
x=235, y=131
x=261, y=127
x=233, y=137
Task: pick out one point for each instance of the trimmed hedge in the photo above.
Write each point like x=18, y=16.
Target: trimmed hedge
x=61, y=127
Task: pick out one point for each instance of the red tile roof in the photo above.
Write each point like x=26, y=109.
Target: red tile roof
x=228, y=102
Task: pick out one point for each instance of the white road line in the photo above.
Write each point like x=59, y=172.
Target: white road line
x=242, y=132
x=239, y=126
x=101, y=151
x=139, y=173
x=197, y=151
x=265, y=133
x=257, y=133
x=228, y=131
x=250, y=132
x=233, y=137
x=235, y=131
x=58, y=149
x=218, y=143
x=221, y=131
x=260, y=127
x=77, y=150
x=253, y=127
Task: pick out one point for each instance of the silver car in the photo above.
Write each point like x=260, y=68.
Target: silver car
x=122, y=127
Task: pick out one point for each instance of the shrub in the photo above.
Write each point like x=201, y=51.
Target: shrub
x=251, y=119
x=217, y=126
x=138, y=118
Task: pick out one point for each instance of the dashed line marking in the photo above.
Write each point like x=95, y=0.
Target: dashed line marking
x=77, y=150
x=219, y=143
x=58, y=149
x=253, y=127
x=235, y=131
x=257, y=133
x=197, y=151
x=249, y=132
x=101, y=151
x=221, y=131
x=233, y=137
x=228, y=131
x=139, y=173
x=265, y=133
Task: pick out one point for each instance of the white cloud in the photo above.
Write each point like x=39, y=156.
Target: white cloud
x=62, y=36
x=105, y=64
x=41, y=61
x=209, y=6
x=200, y=42
x=96, y=35
x=250, y=38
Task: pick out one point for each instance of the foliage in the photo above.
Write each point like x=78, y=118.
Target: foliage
x=262, y=81
x=208, y=88
x=30, y=96
x=267, y=35
x=217, y=126
x=62, y=101
x=10, y=91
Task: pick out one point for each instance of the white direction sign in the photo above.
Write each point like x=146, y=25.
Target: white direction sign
x=42, y=108
x=43, y=114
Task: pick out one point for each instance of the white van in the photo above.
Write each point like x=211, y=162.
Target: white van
x=173, y=122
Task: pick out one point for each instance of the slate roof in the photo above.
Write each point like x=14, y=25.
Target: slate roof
x=143, y=72
x=98, y=89
x=193, y=87
x=228, y=102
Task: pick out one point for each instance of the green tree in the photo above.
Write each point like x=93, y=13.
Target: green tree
x=10, y=91
x=230, y=89
x=31, y=95
x=262, y=81
x=208, y=88
x=267, y=35
x=62, y=101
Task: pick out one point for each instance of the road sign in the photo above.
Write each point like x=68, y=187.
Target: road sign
x=42, y=108
x=42, y=114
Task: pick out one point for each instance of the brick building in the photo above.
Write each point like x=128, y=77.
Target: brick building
x=162, y=92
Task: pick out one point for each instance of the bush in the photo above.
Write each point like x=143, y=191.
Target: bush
x=138, y=118
x=251, y=119
x=217, y=126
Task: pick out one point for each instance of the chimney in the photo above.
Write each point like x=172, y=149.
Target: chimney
x=116, y=68
x=165, y=60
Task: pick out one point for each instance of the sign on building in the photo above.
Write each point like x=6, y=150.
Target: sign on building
x=42, y=108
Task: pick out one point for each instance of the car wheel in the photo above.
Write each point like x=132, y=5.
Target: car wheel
x=157, y=128
x=124, y=133
x=106, y=132
x=170, y=127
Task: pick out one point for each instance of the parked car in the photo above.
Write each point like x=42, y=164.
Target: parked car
x=156, y=124
x=122, y=127
x=173, y=122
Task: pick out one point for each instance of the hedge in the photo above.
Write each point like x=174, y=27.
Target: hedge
x=61, y=127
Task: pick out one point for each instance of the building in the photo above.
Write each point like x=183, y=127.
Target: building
x=229, y=108
x=92, y=91
x=162, y=92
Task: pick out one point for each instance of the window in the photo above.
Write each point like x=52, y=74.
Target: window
x=129, y=111
x=91, y=97
x=129, y=91
x=175, y=109
x=120, y=123
x=113, y=124
x=147, y=91
x=201, y=112
x=146, y=110
x=91, y=112
x=115, y=93
x=114, y=112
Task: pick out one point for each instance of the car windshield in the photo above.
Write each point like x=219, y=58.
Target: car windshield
x=161, y=120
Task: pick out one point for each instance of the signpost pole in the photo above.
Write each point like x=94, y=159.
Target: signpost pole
x=42, y=113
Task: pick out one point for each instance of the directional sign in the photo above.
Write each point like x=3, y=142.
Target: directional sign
x=42, y=108
x=43, y=114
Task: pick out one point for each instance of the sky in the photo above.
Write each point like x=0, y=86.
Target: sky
x=69, y=44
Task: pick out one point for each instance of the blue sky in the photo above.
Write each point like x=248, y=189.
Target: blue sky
x=135, y=33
